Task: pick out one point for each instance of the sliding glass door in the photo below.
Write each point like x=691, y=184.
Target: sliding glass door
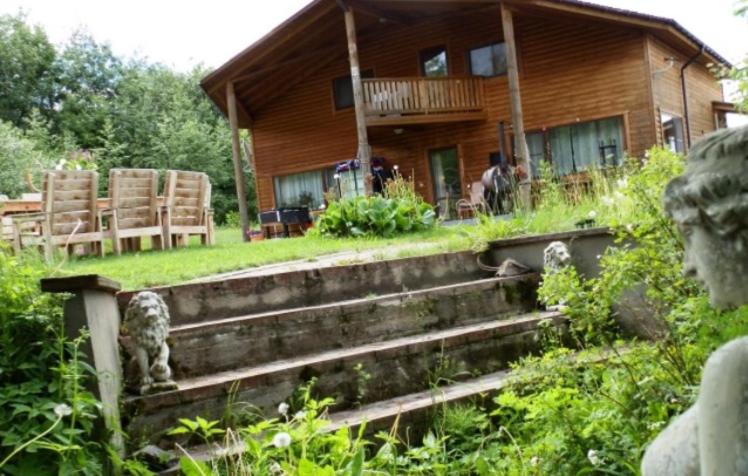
x=446, y=181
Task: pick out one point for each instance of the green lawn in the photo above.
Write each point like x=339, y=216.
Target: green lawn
x=151, y=268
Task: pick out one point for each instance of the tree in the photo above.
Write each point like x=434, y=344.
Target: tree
x=740, y=71
x=88, y=80
x=28, y=70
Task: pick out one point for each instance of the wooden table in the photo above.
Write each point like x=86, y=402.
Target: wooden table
x=13, y=207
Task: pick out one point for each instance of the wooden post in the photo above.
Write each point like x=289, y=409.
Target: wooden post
x=241, y=189
x=93, y=307
x=364, y=151
x=520, y=142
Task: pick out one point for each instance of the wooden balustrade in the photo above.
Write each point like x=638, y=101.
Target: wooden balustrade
x=386, y=99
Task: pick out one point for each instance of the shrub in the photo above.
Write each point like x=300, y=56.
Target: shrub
x=401, y=210
x=46, y=415
x=18, y=157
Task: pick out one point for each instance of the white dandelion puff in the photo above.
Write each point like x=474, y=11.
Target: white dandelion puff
x=282, y=440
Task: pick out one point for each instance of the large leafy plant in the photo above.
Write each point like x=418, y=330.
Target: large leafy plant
x=400, y=210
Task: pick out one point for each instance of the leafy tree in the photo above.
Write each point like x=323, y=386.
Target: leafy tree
x=740, y=72
x=28, y=69
x=88, y=79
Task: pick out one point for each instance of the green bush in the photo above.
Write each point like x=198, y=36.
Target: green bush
x=46, y=416
x=401, y=210
x=18, y=157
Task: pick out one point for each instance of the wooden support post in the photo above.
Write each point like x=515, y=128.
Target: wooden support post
x=364, y=151
x=520, y=142
x=93, y=308
x=241, y=189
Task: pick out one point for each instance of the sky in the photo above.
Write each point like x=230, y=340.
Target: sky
x=185, y=33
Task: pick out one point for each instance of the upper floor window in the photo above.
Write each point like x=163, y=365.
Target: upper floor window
x=342, y=89
x=434, y=61
x=488, y=60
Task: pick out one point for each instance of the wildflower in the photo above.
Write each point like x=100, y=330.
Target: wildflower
x=63, y=410
x=534, y=461
x=592, y=214
x=275, y=468
x=283, y=408
x=607, y=201
x=300, y=415
x=622, y=183
x=618, y=195
x=282, y=440
x=630, y=228
x=594, y=457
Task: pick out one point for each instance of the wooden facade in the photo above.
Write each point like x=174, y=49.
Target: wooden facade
x=574, y=67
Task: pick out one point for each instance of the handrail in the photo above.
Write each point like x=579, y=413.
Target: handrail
x=419, y=95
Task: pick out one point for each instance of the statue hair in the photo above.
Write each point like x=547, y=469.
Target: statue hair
x=713, y=191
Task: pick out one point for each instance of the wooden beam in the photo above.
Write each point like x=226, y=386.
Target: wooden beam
x=364, y=150
x=241, y=191
x=518, y=124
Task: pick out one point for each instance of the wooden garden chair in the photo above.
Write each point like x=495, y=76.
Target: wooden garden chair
x=476, y=202
x=187, y=208
x=134, y=209
x=69, y=214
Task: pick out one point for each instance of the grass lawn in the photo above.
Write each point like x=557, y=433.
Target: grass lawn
x=152, y=268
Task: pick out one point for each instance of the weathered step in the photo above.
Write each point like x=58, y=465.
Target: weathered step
x=394, y=367
x=191, y=303
x=408, y=409
x=262, y=338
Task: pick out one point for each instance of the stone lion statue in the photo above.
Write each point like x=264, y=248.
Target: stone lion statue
x=147, y=324
x=556, y=256
x=709, y=203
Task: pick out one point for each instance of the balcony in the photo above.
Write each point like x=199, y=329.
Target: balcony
x=402, y=101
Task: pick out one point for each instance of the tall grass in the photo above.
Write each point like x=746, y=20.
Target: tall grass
x=591, y=199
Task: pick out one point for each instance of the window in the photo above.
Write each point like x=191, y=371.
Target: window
x=586, y=145
x=304, y=189
x=342, y=89
x=445, y=174
x=488, y=60
x=434, y=62
x=672, y=132
x=578, y=147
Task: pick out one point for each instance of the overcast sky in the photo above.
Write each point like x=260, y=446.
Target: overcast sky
x=187, y=32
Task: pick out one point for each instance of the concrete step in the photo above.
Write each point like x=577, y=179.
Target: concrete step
x=356, y=375
x=195, y=302
x=262, y=338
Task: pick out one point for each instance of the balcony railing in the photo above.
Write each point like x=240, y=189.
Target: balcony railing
x=422, y=100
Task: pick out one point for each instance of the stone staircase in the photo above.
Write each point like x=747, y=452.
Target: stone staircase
x=407, y=325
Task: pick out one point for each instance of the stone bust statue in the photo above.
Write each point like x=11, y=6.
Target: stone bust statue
x=709, y=203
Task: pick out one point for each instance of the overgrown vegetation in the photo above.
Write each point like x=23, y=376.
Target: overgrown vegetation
x=590, y=409
x=46, y=414
x=82, y=99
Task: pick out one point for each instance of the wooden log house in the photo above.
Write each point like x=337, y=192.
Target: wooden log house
x=438, y=87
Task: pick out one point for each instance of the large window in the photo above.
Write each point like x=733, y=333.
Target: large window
x=305, y=189
x=672, y=132
x=434, y=62
x=342, y=89
x=578, y=147
x=488, y=60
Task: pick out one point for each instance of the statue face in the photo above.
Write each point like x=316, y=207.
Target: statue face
x=718, y=263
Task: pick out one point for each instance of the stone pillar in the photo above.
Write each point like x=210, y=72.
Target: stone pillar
x=93, y=306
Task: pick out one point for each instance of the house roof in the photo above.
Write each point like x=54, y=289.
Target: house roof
x=315, y=36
